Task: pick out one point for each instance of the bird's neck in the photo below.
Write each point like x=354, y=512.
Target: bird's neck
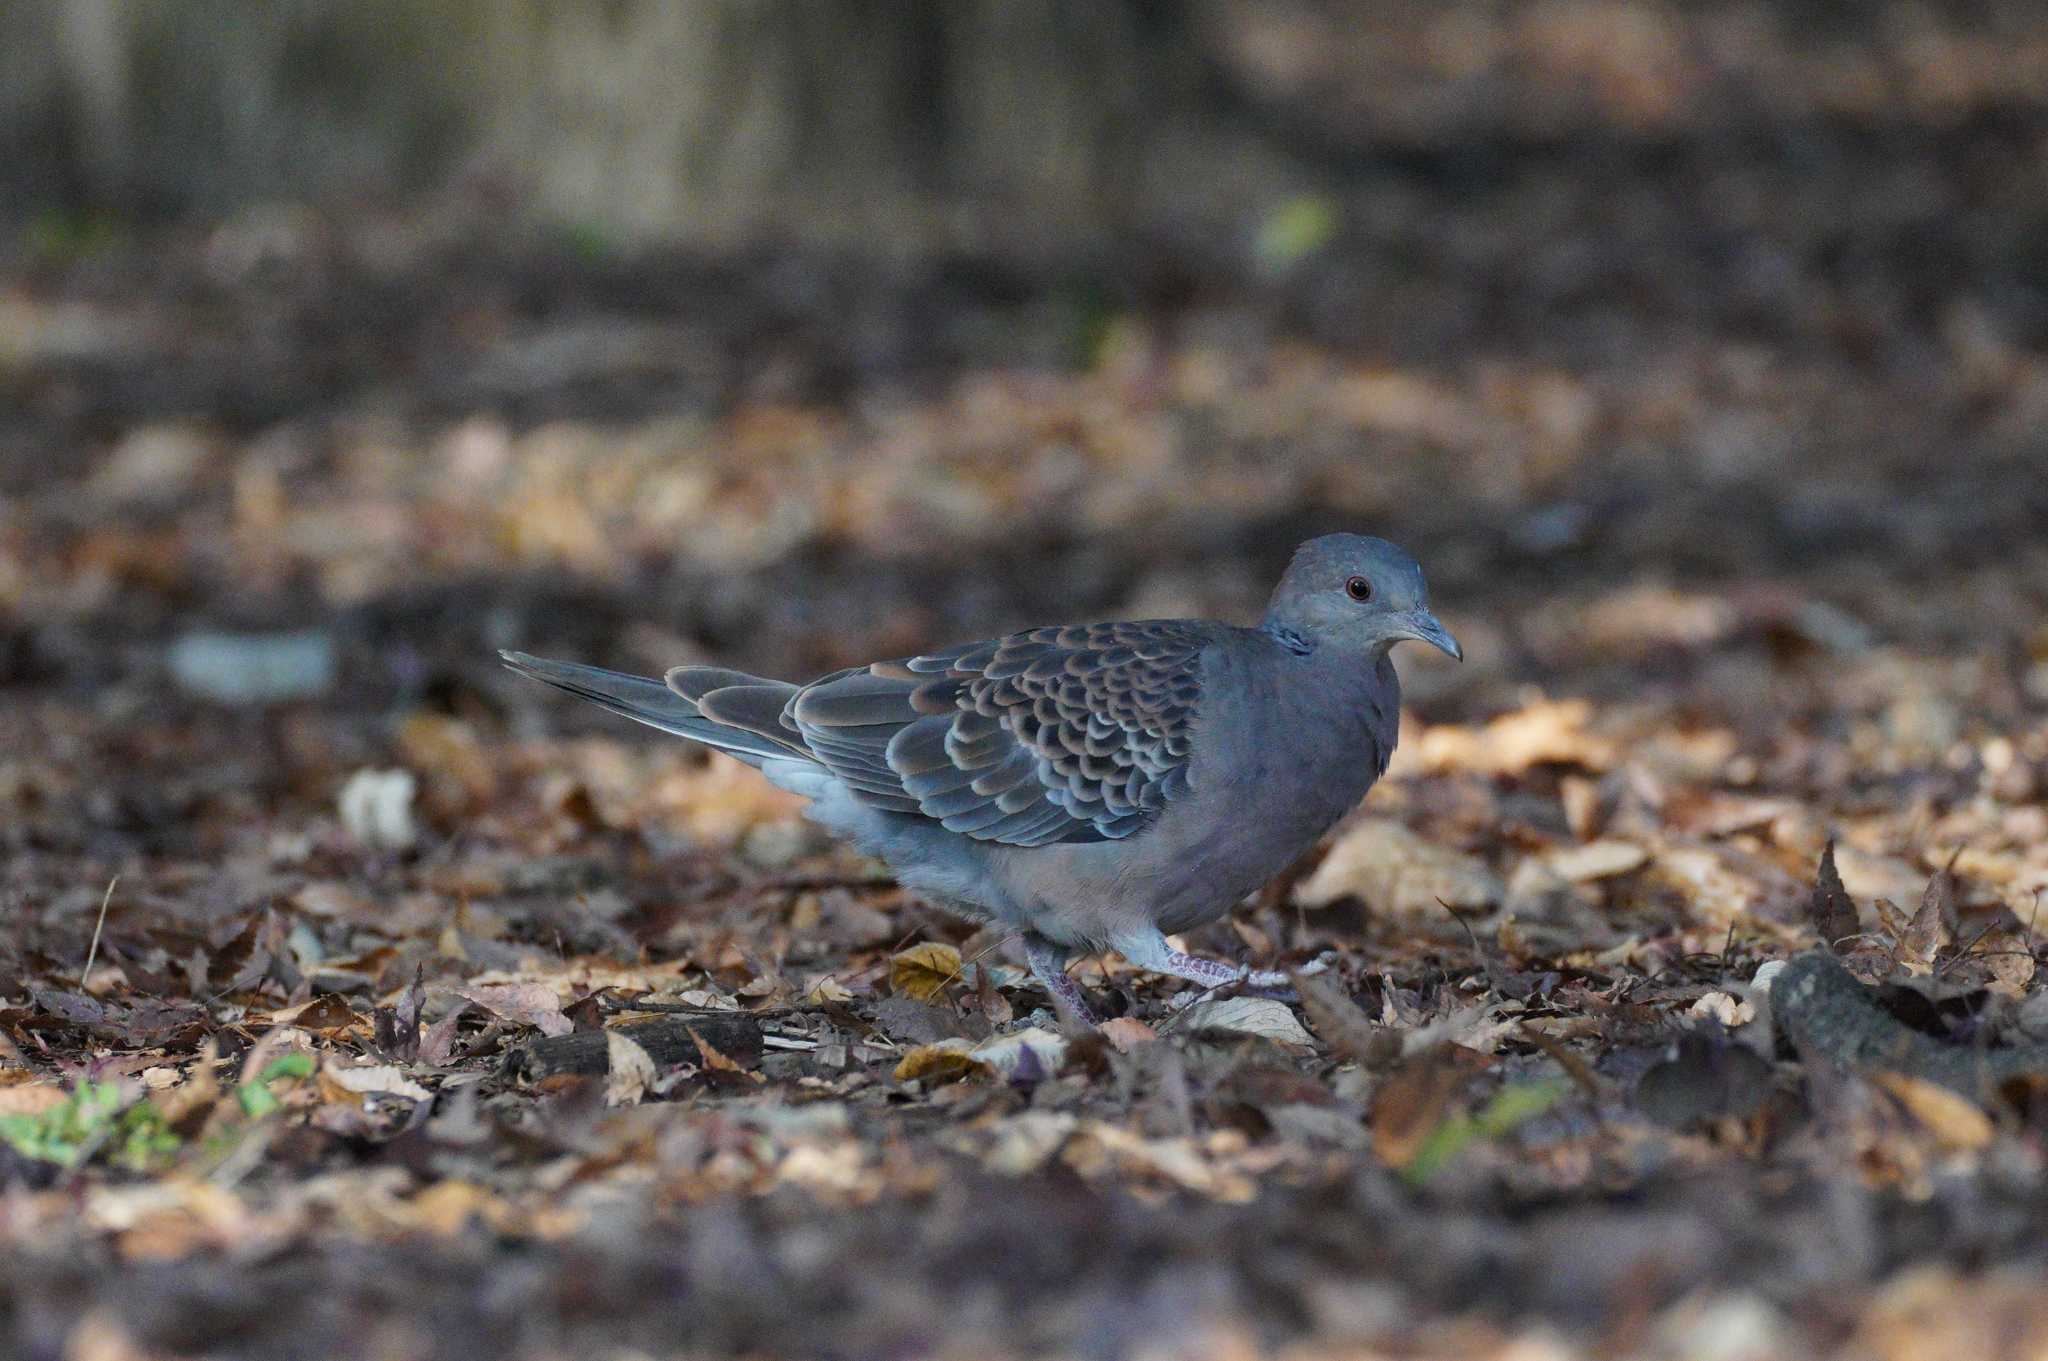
x=1335, y=712
x=1359, y=683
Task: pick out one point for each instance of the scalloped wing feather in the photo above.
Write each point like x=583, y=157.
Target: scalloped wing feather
x=1079, y=733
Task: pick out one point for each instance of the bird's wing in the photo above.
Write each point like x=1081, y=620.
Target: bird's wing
x=1056, y=734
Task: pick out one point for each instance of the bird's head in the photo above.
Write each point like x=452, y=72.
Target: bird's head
x=1357, y=593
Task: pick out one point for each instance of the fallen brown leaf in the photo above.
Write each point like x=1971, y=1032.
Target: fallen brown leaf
x=1830, y=908
x=1126, y=1033
x=1411, y=1102
x=1380, y=862
x=2007, y=961
x=1598, y=860
x=1341, y=1025
x=1552, y=733
x=1262, y=1016
x=1928, y=930
x=534, y=1004
x=31, y=1098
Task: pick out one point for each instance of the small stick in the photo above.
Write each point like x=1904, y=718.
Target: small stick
x=94, y=952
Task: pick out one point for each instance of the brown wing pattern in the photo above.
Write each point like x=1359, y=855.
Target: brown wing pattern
x=1056, y=734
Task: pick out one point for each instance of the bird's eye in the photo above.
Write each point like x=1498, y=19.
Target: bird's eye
x=1358, y=588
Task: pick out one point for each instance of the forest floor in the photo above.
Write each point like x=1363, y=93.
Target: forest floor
x=358, y=1000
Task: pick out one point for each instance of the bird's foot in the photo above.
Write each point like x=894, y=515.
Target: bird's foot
x=1049, y=965
x=1150, y=951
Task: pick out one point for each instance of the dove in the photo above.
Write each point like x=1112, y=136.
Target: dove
x=1088, y=786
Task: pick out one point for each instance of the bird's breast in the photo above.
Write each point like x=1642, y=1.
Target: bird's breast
x=1273, y=771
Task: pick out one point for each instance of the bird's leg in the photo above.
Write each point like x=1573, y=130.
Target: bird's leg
x=1149, y=950
x=1049, y=965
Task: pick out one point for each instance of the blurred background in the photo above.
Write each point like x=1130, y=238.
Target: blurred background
x=1699, y=351
x=342, y=343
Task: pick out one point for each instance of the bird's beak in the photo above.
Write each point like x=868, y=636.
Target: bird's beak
x=1425, y=627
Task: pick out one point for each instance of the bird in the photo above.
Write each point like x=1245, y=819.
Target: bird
x=1089, y=786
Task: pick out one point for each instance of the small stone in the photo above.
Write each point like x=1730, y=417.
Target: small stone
x=254, y=668
x=376, y=808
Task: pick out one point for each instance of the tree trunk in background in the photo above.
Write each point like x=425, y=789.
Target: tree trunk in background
x=906, y=123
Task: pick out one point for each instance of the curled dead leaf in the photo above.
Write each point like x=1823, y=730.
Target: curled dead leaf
x=328, y=1015
x=1929, y=927
x=1261, y=1016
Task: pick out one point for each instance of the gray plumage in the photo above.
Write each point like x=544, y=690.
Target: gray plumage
x=1095, y=785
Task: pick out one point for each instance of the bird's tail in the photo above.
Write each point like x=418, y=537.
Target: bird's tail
x=656, y=704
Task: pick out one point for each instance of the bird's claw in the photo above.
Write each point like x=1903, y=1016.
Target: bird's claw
x=1277, y=984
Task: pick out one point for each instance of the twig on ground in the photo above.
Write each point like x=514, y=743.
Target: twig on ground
x=98, y=926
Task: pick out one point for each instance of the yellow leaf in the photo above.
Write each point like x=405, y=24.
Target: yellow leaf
x=1953, y=1120
x=923, y=971
x=826, y=989
x=947, y=1061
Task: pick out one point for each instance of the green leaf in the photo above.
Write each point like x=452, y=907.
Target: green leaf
x=288, y=1065
x=1295, y=230
x=1511, y=1107
x=98, y=1119
x=256, y=1097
